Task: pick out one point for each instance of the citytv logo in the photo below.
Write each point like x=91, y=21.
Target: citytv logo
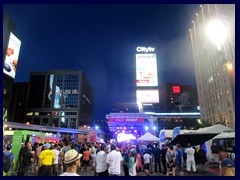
x=144, y=49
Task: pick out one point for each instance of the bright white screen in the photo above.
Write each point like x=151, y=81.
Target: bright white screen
x=148, y=96
x=146, y=69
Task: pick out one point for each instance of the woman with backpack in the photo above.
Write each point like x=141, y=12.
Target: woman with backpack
x=8, y=160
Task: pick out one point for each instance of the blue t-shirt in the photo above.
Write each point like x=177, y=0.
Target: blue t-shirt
x=179, y=156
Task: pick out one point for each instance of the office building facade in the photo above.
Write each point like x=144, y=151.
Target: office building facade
x=59, y=98
x=215, y=82
x=19, y=102
x=178, y=98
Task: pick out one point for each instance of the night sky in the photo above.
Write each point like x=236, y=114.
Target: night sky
x=101, y=41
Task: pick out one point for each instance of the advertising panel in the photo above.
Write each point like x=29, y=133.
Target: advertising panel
x=148, y=96
x=11, y=59
x=146, y=69
x=126, y=120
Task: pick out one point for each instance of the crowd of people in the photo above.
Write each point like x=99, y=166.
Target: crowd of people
x=106, y=159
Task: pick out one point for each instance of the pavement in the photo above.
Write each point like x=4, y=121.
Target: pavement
x=211, y=170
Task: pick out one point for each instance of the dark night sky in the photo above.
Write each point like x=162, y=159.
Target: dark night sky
x=101, y=41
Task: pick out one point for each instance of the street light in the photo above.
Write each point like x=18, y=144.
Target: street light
x=217, y=33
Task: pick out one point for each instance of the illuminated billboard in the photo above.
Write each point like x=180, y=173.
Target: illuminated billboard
x=176, y=89
x=148, y=96
x=126, y=120
x=11, y=58
x=146, y=69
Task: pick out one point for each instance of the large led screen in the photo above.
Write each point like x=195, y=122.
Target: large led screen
x=148, y=96
x=146, y=69
x=11, y=59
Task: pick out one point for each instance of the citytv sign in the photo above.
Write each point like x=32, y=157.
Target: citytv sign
x=144, y=49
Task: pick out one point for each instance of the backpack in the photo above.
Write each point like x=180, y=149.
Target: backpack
x=7, y=162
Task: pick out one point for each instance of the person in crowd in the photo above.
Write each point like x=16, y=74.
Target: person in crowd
x=38, y=151
x=147, y=158
x=179, y=159
x=171, y=160
x=46, y=160
x=196, y=156
x=132, y=165
x=222, y=154
x=125, y=156
x=8, y=160
x=202, y=158
x=157, y=158
x=114, y=161
x=227, y=167
x=139, y=162
x=24, y=149
x=86, y=159
x=190, y=162
x=101, y=165
x=65, y=148
x=163, y=155
x=55, y=163
x=72, y=162
x=93, y=153
x=27, y=163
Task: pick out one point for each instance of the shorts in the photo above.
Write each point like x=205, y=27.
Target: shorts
x=146, y=166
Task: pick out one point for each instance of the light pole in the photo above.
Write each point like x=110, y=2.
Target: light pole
x=217, y=33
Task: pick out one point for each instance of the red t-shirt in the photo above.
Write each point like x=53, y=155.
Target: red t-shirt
x=86, y=155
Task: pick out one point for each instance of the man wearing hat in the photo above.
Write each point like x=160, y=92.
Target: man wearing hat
x=46, y=159
x=227, y=167
x=72, y=161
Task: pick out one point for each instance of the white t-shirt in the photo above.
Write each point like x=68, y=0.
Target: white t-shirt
x=190, y=153
x=146, y=158
x=56, y=152
x=94, y=150
x=69, y=174
x=113, y=160
x=132, y=170
x=101, y=162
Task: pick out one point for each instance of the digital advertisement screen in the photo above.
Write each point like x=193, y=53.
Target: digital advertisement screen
x=148, y=96
x=146, y=70
x=126, y=120
x=11, y=58
x=176, y=89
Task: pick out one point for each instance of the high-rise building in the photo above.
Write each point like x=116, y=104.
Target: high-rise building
x=60, y=98
x=178, y=98
x=214, y=61
x=19, y=102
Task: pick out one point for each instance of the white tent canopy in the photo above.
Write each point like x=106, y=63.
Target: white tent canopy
x=148, y=137
x=217, y=128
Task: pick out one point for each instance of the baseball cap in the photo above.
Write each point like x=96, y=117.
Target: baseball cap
x=9, y=147
x=134, y=151
x=227, y=163
x=47, y=145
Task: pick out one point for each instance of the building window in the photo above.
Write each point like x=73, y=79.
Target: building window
x=55, y=122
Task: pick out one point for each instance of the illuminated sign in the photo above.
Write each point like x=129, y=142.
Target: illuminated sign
x=176, y=89
x=148, y=96
x=11, y=59
x=146, y=50
x=146, y=70
x=126, y=120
